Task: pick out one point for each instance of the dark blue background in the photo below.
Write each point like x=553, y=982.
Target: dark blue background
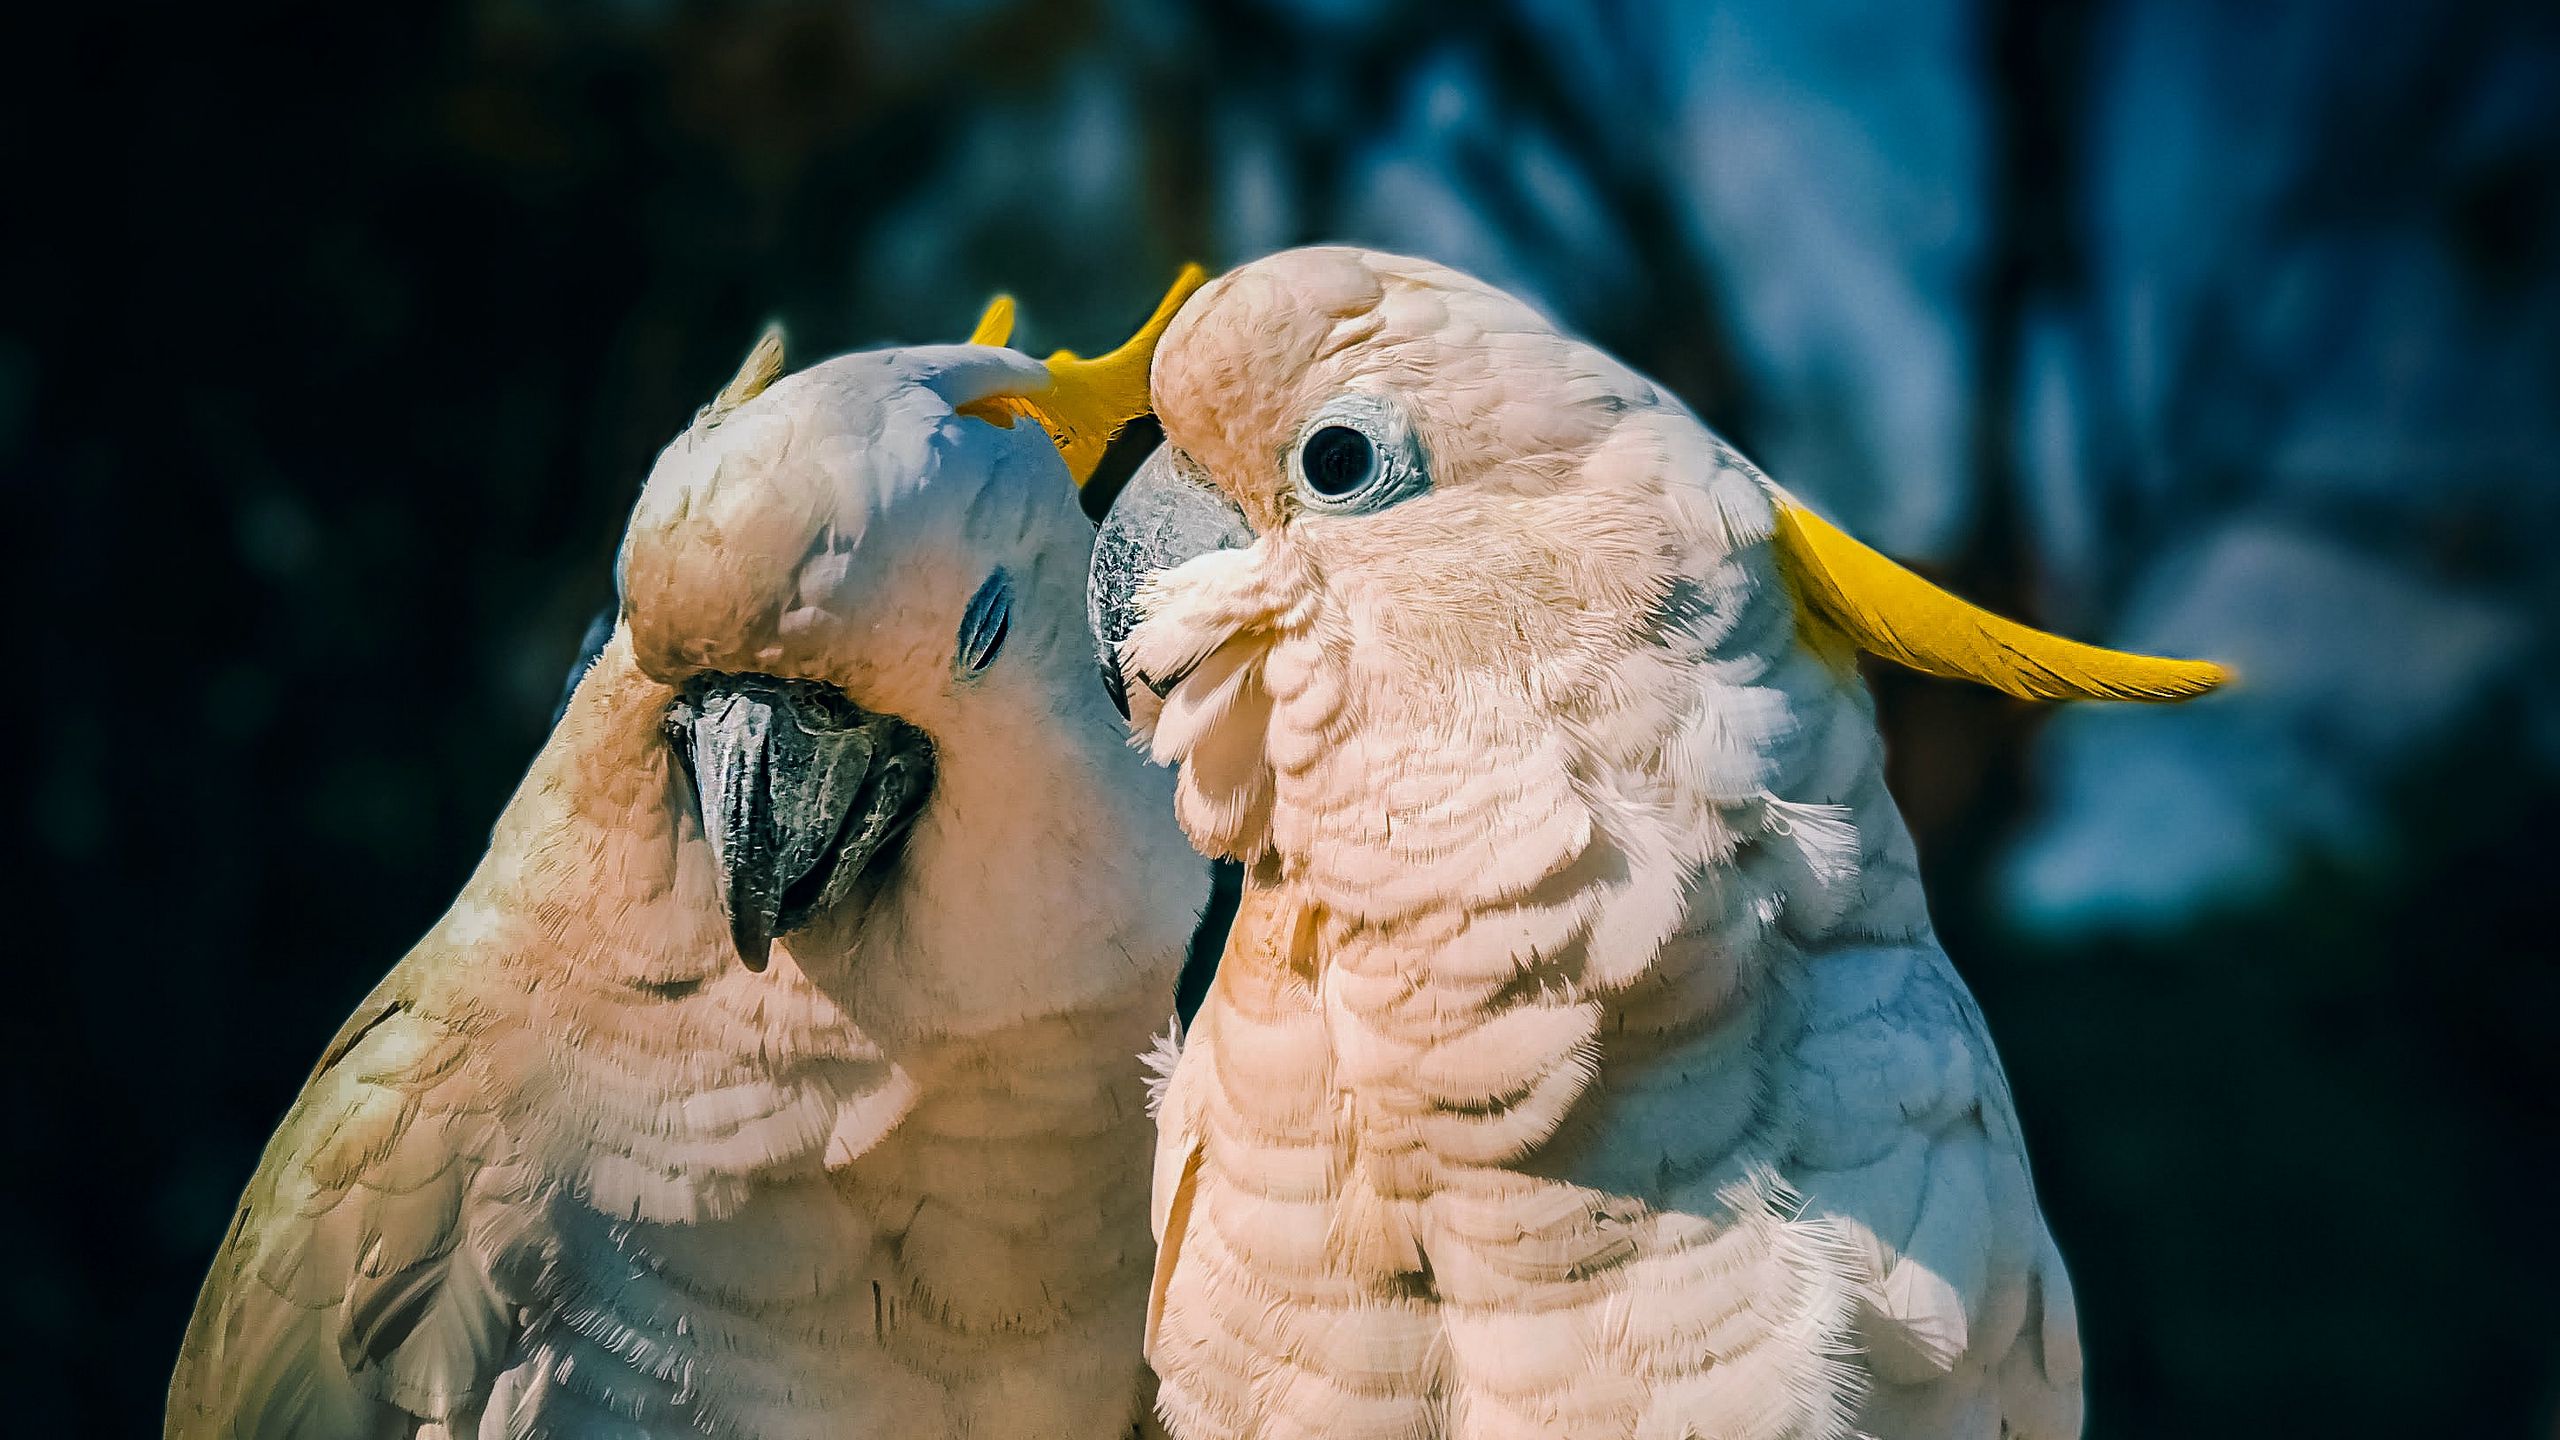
x=337, y=339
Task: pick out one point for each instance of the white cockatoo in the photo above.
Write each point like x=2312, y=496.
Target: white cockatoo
x=1582, y=1062
x=586, y=1164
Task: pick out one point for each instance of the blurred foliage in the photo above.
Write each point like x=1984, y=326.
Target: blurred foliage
x=341, y=336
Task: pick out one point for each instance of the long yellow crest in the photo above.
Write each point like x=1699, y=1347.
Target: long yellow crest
x=1887, y=611
x=1086, y=402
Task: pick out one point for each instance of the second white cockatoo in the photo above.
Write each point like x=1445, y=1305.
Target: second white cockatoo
x=1582, y=1061
x=772, y=1076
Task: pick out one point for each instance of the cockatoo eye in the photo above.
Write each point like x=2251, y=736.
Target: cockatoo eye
x=1337, y=460
x=1358, y=453
x=985, y=622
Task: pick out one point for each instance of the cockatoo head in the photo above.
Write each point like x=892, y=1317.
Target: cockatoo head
x=862, y=583
x=1395, y=504
x=1392, y=430
x=1409, y=467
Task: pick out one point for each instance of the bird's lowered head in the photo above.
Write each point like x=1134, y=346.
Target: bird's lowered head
x=862, y=585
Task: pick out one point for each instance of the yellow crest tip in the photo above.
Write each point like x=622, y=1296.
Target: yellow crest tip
x=1088, y=402
x=995, y=324
x=762, y=367
x=1885, y=610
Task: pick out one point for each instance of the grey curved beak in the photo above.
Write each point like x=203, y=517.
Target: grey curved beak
x=1168, y=513
x=800, y=792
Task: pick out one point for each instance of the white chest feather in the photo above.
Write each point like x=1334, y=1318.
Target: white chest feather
x=1543, y=1092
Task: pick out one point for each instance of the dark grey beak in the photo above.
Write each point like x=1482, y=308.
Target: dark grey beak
x=801, y=791
x=1168, y=513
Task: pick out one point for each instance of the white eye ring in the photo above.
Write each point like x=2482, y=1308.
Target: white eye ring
x=1355, y=454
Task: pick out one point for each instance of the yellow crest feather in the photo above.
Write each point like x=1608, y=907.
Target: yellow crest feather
x=1087, y=402
x=1887, y=611
x=763, y=366
x=995, y=326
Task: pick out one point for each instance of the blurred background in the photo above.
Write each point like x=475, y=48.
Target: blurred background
x=337, y=340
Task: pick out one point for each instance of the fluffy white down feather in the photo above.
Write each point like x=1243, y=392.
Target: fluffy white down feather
x=1583, y=1061
x=572, y=1171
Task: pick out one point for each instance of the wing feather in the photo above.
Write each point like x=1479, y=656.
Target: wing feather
x=1916, y=1155
x=349, y=1299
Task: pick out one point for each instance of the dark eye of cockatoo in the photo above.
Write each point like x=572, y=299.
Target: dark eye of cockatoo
x=1358, y=453
x=983, y=625
x=1337, y=460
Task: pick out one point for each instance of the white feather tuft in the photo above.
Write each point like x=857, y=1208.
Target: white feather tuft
x=1824, y=1259
x=1827, y=835
x=1158, y=1061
